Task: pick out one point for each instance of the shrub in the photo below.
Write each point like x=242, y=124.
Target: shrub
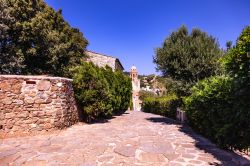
x=101, y=92
x=92, y=91
x=120, y=89
x=215, y=111
x=145, y=94
x=123, y=90
x=165, y=105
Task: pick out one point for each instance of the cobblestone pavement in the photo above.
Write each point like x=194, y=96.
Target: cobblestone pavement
x=134, y=138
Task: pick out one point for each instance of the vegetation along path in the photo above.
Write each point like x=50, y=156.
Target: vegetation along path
x=134, y=138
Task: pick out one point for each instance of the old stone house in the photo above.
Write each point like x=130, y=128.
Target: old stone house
x=102, y=60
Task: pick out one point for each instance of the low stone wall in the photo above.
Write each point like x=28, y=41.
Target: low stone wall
x=36, y=103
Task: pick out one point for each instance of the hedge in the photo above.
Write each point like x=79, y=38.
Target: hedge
x=215, y=110
x=164, y=105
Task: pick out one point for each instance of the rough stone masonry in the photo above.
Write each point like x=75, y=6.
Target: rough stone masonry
x=36, y=103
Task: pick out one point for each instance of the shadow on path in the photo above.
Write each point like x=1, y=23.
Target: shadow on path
x=102, y=119
x=227, y=158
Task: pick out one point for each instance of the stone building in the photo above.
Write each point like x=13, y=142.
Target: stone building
x=136, y=88
x=102, y=60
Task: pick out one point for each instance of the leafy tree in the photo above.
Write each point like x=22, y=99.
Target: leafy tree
x=9, y=62
x=188, y=57
x=37, y=40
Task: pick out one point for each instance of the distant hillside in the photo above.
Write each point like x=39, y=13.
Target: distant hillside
x=153, y=82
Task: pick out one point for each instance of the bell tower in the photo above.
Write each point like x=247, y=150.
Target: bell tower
x=133, y=73
x=136, y=88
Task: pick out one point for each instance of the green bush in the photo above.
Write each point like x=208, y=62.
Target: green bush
x=206, y=107
x=92, y=91
x=145, y=94
x=120, y=89
x=165, y=105
x=100, y=92
x=215, y=111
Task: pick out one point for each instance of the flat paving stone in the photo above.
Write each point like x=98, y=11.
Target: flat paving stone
x=127, y=151
x=134, y=138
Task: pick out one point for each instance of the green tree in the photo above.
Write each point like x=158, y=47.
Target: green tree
x=37, y=40
x=188, y=58
x=9, y=62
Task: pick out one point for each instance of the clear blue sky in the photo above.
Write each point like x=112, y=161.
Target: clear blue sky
x=132, y=29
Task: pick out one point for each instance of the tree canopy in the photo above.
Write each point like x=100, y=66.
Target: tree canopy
x=35, y=39
x=188, y=57
x=237, y=60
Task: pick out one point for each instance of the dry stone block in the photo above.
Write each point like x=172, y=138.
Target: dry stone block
x=47, y=126
x=32, y=94
x=10, y=115
x=5, y=86
x=29, y=101
x=18, y=102
x=59, y=84
x=33, y=125
x=40, y=101
x=43, y=85
x=7, y=101
x=16, y=88
x=23, y=114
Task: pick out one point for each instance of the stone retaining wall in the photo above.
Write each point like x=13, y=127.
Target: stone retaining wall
x=36, y=103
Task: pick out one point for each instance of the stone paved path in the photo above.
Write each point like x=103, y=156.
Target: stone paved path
x=134, y=138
